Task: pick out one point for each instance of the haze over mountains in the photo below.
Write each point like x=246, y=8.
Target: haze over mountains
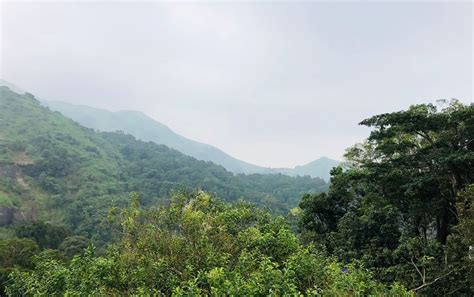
x=151, y=148
x=50, y=166
x=145, y=128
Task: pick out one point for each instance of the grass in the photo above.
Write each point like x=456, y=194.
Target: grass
x=5, y=200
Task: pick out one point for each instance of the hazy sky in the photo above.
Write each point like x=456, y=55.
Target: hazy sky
x=275, y=84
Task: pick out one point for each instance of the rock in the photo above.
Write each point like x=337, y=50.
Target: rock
x=7, y=215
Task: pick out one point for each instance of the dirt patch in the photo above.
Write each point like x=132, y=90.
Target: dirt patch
x=22, y=159
x=21, y=181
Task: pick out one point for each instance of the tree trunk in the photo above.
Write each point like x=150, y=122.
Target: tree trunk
x=443, y=223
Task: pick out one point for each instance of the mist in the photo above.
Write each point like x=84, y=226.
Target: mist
x=274, y=84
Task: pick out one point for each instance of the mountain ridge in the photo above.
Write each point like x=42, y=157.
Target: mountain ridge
x=146, y=128
x=54, y=169
x=162, y=134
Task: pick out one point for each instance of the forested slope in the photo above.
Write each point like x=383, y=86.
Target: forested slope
x=54, y=169
x=145, y=128
x=398, y=218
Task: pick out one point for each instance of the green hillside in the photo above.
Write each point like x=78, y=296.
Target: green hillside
x=397, y=222
x=56, y=170
x=145, y=128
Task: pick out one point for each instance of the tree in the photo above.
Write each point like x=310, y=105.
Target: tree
x=395, y=207
x=465, y=208
x=431, y=153
x=73, y=245
x=198, y=245
x=15, y=254
x=44, y=234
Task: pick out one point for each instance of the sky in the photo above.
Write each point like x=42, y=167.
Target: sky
x=276, y=84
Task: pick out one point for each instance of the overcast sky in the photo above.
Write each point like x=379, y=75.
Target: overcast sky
x=275, y=84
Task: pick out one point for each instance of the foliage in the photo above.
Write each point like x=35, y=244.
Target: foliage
x=465, y=228
x=44, y=234
x=15, y=253
x=74, y=245
x=400, y=216
x=394, y=209
x=63, y=173
x=198, y=245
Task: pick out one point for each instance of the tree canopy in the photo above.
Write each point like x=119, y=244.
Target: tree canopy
x=396, y=220
x=394, y=208
x=199, y=245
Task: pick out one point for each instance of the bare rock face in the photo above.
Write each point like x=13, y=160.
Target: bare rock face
x=10, y=215
x=8, y=170
x=7, y=215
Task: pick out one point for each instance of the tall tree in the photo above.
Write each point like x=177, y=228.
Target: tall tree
x=431, y=154
x=395, y=207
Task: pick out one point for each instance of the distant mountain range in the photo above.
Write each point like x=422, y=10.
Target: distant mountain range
x=145, y=128
x=54, y=169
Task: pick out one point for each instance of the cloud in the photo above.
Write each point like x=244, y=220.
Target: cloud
x=276, y=84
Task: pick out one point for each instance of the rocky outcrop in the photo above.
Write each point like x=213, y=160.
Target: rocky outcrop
x=10, y=215
x=13, y=172
x=6, y=215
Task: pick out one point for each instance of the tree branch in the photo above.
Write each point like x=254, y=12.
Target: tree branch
x=430, y=283
x=418, y=270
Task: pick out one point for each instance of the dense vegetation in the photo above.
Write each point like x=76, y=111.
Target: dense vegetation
x=145, y=128
x=404, y=209
x=53, y=169
x=197, y=245
x=399, y=217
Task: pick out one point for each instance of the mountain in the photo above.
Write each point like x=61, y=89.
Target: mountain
x=318, y=168
x=14, y=88
x=145, y=128
x=52, y=168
